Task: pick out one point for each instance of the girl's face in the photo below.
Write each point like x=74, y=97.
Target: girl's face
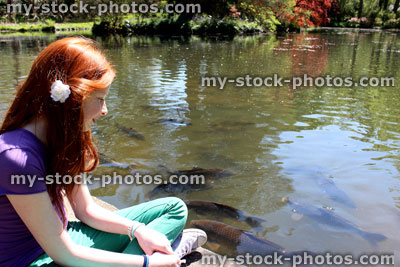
x=94, y=106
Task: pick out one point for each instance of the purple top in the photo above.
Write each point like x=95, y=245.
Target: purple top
x=21, y=153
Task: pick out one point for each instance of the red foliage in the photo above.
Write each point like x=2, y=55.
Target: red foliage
x=313, y=12
x=308, y=54
x=259, y=3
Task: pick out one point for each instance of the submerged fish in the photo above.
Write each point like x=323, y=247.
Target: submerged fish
x=130, y=132
x=235, y=241
x=106, y=161
x=198, y=179
x=327, y=217
x=173, y=121
x=232, y=241
x=326, y=185
x=205, y=208
x=170, y=188
x=336, y=194
x=207, y=173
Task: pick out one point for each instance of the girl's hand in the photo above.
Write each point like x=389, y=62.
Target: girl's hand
x=152, y=241
x=158, y=259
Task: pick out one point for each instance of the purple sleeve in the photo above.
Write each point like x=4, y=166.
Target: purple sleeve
x=22, y=172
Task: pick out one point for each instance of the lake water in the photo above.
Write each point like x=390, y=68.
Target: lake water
x=278, y=142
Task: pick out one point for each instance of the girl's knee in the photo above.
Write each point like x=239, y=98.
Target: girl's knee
x=178, y=204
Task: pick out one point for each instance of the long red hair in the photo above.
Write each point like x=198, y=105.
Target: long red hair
x=77, y=62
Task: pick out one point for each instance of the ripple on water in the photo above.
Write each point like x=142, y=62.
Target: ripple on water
x=258, y=133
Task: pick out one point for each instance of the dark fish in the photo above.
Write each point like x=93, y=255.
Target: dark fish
x=178, y=109
x=232, y=241
x=173, y=121
x=130, y=132
x=203, y=177
x=207, y=173
x=205, y=208
x=169, y=188
x=327, y=217
x=106, y=161
x=235, y=241
x=336, y=194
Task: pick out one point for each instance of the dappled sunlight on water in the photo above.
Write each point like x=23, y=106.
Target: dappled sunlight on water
x=277, y=141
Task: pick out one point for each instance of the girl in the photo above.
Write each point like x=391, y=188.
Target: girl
x=46, y=131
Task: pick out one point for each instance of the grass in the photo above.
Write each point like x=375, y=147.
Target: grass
x=45, y=26
x=22, y=27
x=73, y=26
x=39, y=33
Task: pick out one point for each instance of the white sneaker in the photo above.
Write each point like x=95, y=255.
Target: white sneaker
x=188, y=240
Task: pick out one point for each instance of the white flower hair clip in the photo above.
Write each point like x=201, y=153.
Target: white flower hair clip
x=60, y=91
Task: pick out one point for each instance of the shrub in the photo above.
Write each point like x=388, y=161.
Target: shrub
x=260, y=14
x=356, y=22
x=391, y=24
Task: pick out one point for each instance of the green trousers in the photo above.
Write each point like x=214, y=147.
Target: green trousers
x=166, y=215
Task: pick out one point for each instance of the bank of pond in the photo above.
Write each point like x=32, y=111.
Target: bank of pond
x=173, y=26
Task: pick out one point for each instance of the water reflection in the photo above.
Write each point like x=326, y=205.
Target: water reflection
x=258, y=133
